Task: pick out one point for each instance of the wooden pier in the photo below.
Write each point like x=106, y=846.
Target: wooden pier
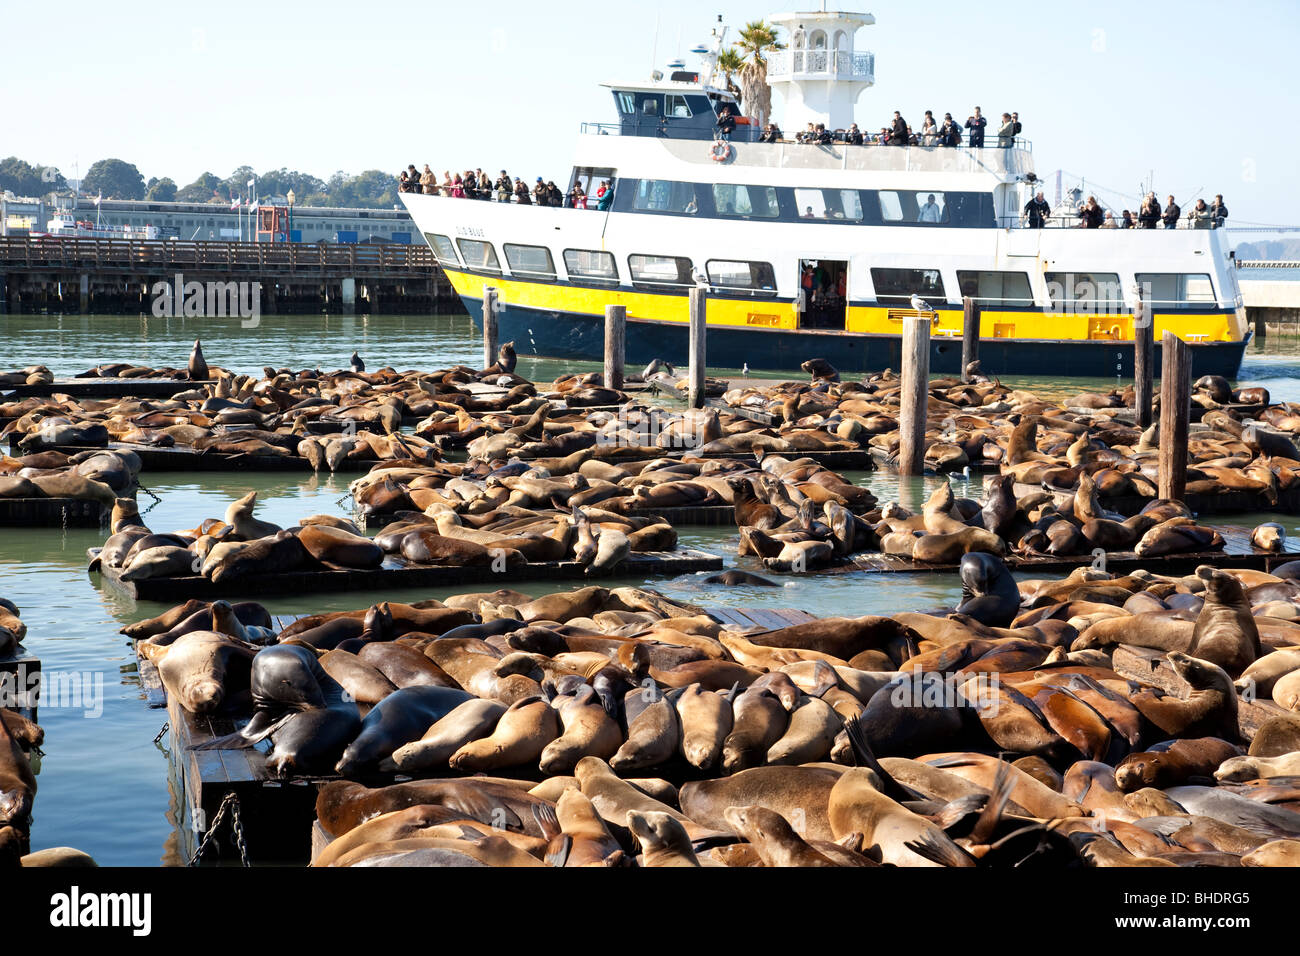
x=1238, y=552
x=399, y=573
x=81, y=275
x=183, y=459
x=109, y=388
x=1228, y=503
x=53, y=513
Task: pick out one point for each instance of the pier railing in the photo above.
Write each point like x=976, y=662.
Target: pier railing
x=104, y=254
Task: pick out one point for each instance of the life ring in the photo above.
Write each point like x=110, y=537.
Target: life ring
x=720, y=151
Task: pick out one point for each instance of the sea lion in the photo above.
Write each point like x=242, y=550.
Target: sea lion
x=1174, y=765
x=797, y=793
x=280, y=552
x=522, y=733
x=403, y=666
x=584, y=840
x=758, y=722
x=343, y=804
x=1233, y=808
x=663, y=840
x=734, y=577
x=989, y=592
x=1225, y=632
x=239, y=515
x=653, y=734
x=774, y=839
x=17, y=787
x=809, y=736
x=386, y=827
x=1241, y=768
x=197, y=369
x=706, y=720
x=1273, y=853
x=202, y=669
x=165, y=561
x=471, y=720
x=1270, y=537
x=587, y=731
x=305, y=712
x=398, y=719
x=337, y=547
x=856, y=805
x=613, y=798
x=364, y=684
x=1209, y=711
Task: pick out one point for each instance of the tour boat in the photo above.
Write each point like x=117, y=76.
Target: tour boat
x=816, y=251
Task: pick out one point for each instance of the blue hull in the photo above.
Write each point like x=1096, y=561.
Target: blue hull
x=562, y=335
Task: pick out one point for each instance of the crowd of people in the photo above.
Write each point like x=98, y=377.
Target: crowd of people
x=1092, y=215
x=476, y=184
x=899, y=132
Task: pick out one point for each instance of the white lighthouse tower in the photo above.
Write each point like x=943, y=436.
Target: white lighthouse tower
x=820, y=74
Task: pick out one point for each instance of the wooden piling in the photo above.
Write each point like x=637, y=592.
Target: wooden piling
x=489, y=326
x=915, y=395
x=615, y=335
x=970, y=335
x=1175, y=412
x=1143, y=361
x=699, y=310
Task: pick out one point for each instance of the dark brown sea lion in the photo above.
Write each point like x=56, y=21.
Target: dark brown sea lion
x=1225, y=633
x=1209, y=711
x=17, y=786
x=841, y=637
x=337, y=547
x=398, y=719
x=799, y=794
x=1175, y=765
x=342, y=805
x=197, y=369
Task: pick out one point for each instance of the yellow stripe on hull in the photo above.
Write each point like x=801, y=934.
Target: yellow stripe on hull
x=863, y=319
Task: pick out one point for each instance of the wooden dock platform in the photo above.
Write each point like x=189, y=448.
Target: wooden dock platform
x=710, y=516
x=20, y=675
x=399, y=573
x=52, y=513
x=109, y=388
x=155, y=459
x=1229, y=503
x=750, y=619
x=1238, y=552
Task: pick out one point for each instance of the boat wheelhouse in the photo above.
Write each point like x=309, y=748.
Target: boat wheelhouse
x=816, y=249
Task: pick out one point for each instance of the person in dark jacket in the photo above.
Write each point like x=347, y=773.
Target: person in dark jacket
x=898, y=135
x=949, y=132
x=1037, y=211
x=1149, y=214
x=726, y=123
x=976, y=126
x=1218, y=211
x=1128, y=222
x=1015, y=124
x=521, y=193
x=824, y=137
x=1172, y=212
x=1092, y=214
x=854, y=135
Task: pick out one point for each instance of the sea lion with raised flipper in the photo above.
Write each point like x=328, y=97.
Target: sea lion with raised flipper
x=202, y=670
x=306, y=713
x=1209, y=711
x=585, y=840
x=520, y=736
x=857, y=805
x=471, y=720
x=398, y=719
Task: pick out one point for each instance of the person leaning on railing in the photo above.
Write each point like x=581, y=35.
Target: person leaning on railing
x=1149, y=214
x=505, y=187
x=1219, y=211
x=1200, y=216
x=1037, y=212
x=726, y=123
x=605, y=196
x=1172, y=212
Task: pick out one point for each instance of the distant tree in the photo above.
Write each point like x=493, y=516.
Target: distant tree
x=372, y=189
x=757, y=41
x=278, y=182
x=731, y=62
x=204, y=189
x=115, y=178
x=236, y=184
x=24, y=179
x=161, y=190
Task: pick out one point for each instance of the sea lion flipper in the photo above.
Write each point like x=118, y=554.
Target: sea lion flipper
x=867, y=758
x=944, y=854
x=255, y=731
x=557, y=853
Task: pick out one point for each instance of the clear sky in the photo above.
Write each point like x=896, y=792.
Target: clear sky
x=1199, y=92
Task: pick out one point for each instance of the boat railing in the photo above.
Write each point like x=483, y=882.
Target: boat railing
x=1071, y=220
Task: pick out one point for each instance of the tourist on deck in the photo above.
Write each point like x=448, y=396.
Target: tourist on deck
x=1127, y=222
x=1172, y=212
x=930, y=212
x=605, y=196
x=1091, y=214
x=976, y=126
x=1109, y=222
x=1006, y=132
x=469, y=183
x=554, y=195
x=577, y=197
x=808, y=213
x=854, y=135
x=824, y=137
x=898, y=133
x=521, y=193
x=541, y=197
x=403, y=184
x=457, y=187
x=1200, y=217
x=726, y=122
x=505, y=187
x=1218, y=211
x=768, y=135
x=1015, y=124
x=1037, y=211
x=428, y=181
x=447, y=183
x=413, y=177
x=484, y=184
x=929, y=130
x=1149, y=214
x=949, y=132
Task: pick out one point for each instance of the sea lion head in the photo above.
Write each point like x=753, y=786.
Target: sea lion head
x=1201, y=675
x=378, y=625
x=978, y=571
x=1237, y=769
x=520, y=662
x=1220, y=586
x=1137, y=771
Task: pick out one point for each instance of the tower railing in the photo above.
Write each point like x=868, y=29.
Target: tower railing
x=839, y=63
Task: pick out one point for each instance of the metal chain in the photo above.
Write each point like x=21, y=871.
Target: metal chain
x=232, y=802
x=156, y=500
x=165, y=727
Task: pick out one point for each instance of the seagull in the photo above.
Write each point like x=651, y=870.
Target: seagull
x=744, y=369
x=700, y=278
x=922, y=306
x=357, y=364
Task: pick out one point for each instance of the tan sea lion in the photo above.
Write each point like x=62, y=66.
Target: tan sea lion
x=471, y=720
x=1209, y=711
x=774, y=839
x=706, y=720
x=587, y=731
x=653, y=735
x=519, y=738
x=857, y=805
x=201, y=669
x=663, y=839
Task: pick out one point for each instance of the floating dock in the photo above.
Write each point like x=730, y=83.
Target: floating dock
x=153, y=458
x=399, y=573
x=1238, y=552
x=20, y=676
x=108, y=388
x=1228, y=503
x=53, y=513
x=711, y=516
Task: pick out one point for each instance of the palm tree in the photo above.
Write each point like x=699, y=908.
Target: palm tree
x=757, y=40
x=729, y=63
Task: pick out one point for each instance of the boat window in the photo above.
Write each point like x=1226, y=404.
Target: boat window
x=442, y=249
x=532, y=261
x=996, y=288
x=756, y=277
x=650, y=106
x=677, y=106
x=656, y=272
x=479, y=255
x=1085, y=291
x=591, y=267
x=626, y=102
x=837, y=204
x=899, y=285
x=664, y=195
x=921, y=207
x=1172, y=290
x=737, y=200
